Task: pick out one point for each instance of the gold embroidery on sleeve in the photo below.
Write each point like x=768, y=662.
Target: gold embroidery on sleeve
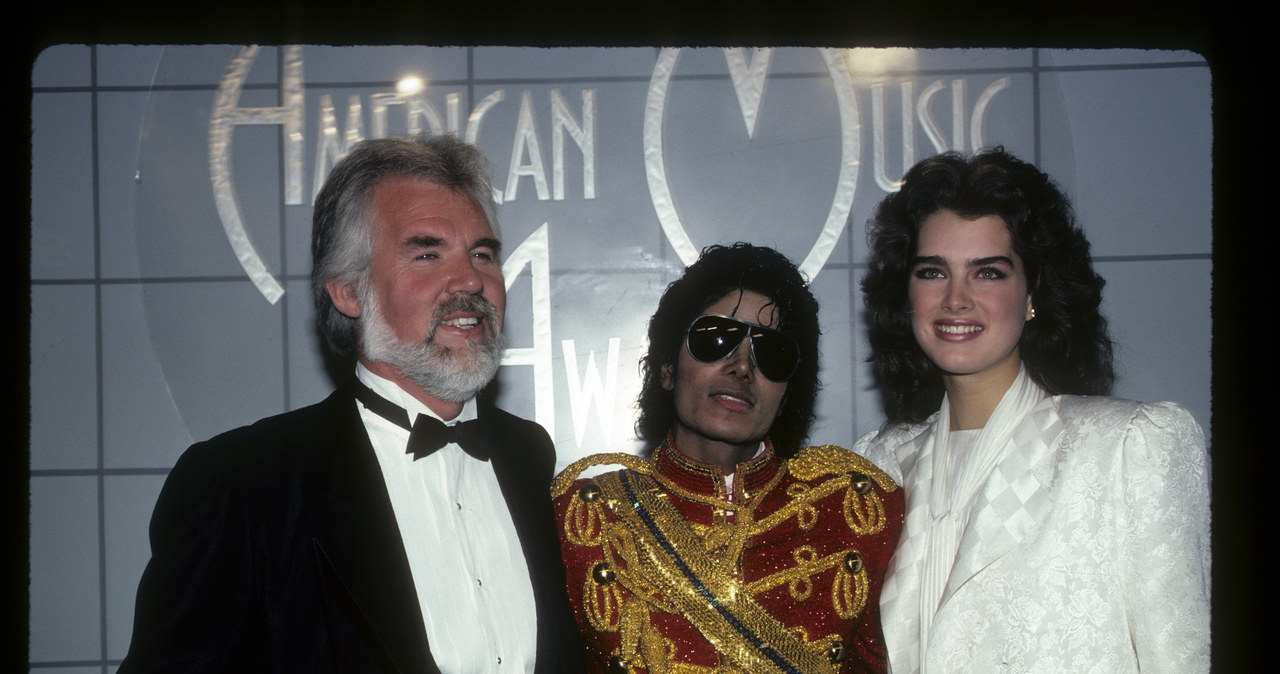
x=812, y=463
x=864, y=513
x=850, y=588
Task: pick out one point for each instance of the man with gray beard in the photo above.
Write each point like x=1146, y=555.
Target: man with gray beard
x=400, y=525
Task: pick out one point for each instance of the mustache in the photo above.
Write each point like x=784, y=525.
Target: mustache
x=471, y=304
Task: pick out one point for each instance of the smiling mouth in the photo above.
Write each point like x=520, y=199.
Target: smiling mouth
x=462, y=322
x=959, y=329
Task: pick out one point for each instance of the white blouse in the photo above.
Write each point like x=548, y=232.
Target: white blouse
x=1085, y=547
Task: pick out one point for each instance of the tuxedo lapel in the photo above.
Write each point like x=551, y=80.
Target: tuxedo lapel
x=359, y=546
x=1014, y=499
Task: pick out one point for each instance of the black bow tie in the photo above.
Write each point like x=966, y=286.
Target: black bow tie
x=428, y=433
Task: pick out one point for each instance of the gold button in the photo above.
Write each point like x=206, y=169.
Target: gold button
x=617, y=666
x=853, y=562
x=589, y=493
x=835, y=652
x=860, y=483
x=603, y=573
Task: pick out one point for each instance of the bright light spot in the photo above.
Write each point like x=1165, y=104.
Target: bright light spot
x=410, y=85
x=871, y=61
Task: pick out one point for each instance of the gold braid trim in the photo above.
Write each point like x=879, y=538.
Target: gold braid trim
x=848, y=588
x=620, y=551
x=814, y=462
x=864, y=513
x=849, y=591
x=566, y=478
x=801, y=505
x=799, y=577
x=686, y=668
x=583, y=522
x=668, y=569
x=603, y=604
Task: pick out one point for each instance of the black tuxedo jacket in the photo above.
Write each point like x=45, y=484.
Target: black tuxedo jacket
x=275, y=549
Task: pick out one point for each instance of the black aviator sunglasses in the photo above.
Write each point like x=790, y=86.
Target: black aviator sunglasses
x=713, y=338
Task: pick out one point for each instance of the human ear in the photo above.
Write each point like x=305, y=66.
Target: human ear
x=344, y=297
x=667, y=377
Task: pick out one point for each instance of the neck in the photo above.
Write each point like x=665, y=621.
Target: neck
x=725, y=455
x=445, y=409
x=972, y=398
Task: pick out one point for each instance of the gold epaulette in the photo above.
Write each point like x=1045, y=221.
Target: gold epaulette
x=814, y=462
x=567, y=476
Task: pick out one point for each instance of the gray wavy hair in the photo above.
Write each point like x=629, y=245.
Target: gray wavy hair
x=342, y=231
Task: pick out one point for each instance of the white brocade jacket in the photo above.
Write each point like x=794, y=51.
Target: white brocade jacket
x=1086, y=550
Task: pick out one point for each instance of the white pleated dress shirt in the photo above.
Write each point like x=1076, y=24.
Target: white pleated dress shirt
x=469, y=570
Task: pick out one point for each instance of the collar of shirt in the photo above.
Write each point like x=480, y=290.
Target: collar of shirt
x=391, y=391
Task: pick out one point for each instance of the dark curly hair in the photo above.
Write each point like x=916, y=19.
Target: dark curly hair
x=1065, y=349
x=719, y=271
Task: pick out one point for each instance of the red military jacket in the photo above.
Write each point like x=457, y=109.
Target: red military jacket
x=669, y=574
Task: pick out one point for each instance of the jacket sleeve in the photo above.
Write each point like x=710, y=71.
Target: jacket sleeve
x=880, y=447
x=193, y=604
x=1166, y=554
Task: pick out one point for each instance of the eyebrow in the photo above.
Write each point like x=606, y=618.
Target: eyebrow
x=425, y=241
x=980, y=262
x=994, y=259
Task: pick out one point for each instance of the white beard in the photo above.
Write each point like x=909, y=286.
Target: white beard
x=454, y=375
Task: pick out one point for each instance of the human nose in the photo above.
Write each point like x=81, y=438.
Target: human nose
x=465, y=278
x=741, y=363
x=957, y=296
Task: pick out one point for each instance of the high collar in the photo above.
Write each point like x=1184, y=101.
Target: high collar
x=708, y=479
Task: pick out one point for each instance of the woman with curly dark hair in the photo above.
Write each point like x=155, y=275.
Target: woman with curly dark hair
x=1048, y=526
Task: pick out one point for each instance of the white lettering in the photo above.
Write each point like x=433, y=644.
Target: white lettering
x=333, y=145
x=535, y=253
x=416, y=109
x=957, y=114
x=453, y=111
x=878, y=141
x=583, y=392
x=931, y=128
x=526, y=140
x=584, y=135
x=476, y=118
x=930, y=125
x=227, y=114
x=980, y=110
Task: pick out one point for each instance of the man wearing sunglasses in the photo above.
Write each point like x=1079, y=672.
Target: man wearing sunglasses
x=731, y=546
